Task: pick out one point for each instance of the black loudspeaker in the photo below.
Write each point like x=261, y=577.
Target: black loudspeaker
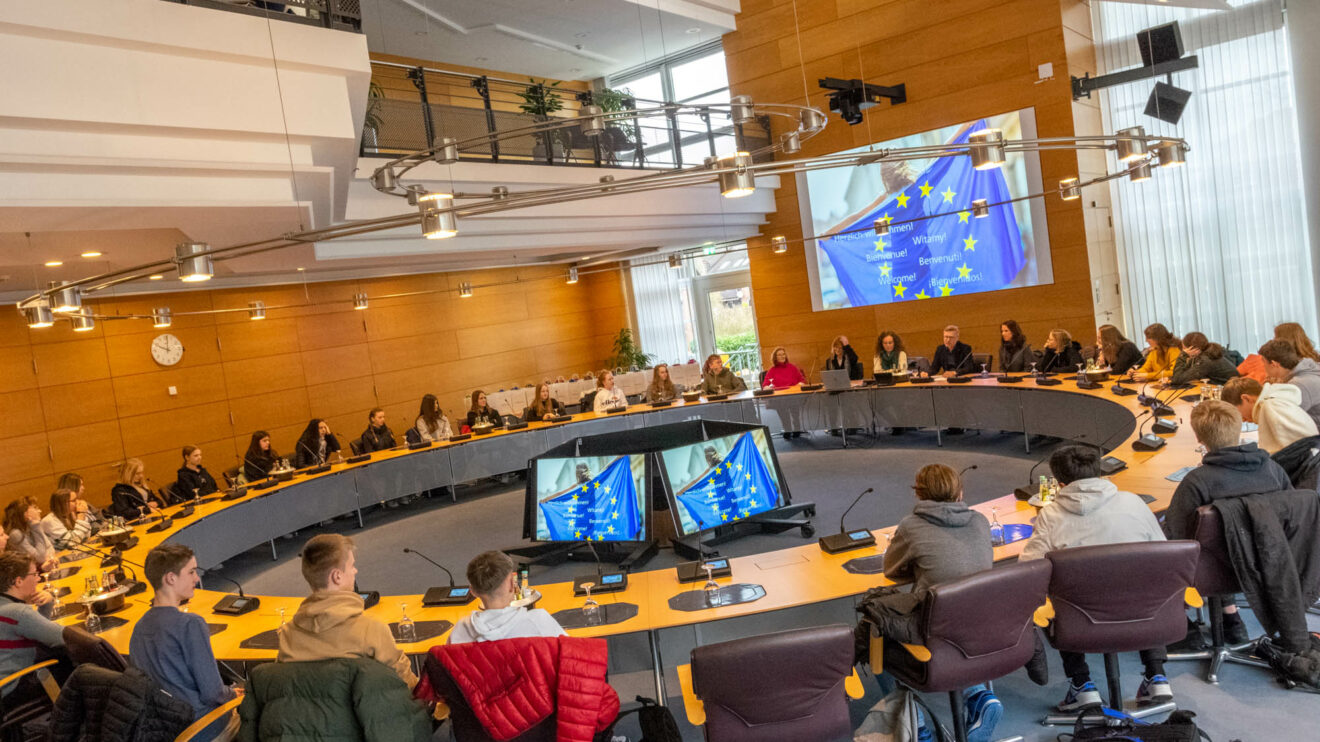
x=1160, y=44
x=1166, y=102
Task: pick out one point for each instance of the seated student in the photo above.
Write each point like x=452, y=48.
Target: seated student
x=1015, y=354
x=782, y=374
x=890, y=357
x=131, y=497
x=842, y=357
x=662, y=387
x=25, y=534
x=952, y=357
x=66, y=524
x=608, y=395
x=1091, y=511
x=260, y=458
x=717, y=379
x=1062, y=353
x=1201, y=359
x=482, y=413
x=192, y=476
x=494, y=580
x=377, y=436
x=1114, y=351
x=940, y=541
x=431, y=423
x=1276, y=408
x=74, y=483
x=315, y=446
x=330, y=622
x=25, y=632
x=545, y=407
x=1284, y=363
x=173, y=647
x=1161, y=353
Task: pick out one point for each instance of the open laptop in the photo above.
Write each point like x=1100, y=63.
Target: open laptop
x=836, y=381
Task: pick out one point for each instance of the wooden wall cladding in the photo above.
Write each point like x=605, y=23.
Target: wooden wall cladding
x=960, y=59
x=86, y=401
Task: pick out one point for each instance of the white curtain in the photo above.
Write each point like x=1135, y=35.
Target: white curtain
x=1219, y=245
x=662, y=323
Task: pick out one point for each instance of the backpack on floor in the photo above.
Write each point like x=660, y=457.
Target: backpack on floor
x=1107, y=725
x=657, y=722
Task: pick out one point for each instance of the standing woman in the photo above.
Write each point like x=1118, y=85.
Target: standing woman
x=842, y=357
x=192, y=476
x=543, y=406
x=315, y=445
x=1015, y=354
x=431, y=424
x=66, y=524
x=608, y=396
x=260, y=458
x=1115, y=351
x=482, y=413
x=1162, y=352
x=716, y=378
x=23, y=524
x=131, y=496
x=781, y=373
x=890, y=357
x=661, y=388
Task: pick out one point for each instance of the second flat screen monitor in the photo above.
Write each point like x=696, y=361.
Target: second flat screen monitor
x=591, y=498
x=722, y=480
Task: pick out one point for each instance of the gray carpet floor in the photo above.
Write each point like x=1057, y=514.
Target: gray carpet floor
x=1247, y=704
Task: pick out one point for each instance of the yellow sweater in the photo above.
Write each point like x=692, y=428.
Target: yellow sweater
x=1160, y=364
x=330, y=623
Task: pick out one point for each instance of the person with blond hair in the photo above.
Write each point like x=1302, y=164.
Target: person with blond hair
x=842, y=357
x=1061, y=353
x=782, y=374
x=131, y=497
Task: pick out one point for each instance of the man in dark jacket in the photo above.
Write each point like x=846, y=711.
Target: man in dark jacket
x=377, y=436
x=953, y=356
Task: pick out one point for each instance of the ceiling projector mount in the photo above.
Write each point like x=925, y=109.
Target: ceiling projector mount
x=851, y=97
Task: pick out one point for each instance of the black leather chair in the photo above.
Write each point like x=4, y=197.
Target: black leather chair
x=86, y=648
x=957, y=653
x=411, y=436
x=1121, y=598
x=979, y=359
x=919, y=364
x=355, y=446
x=1215, y=579
x=790, y=686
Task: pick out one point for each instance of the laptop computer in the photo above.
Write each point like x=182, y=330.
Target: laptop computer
x=836, y=381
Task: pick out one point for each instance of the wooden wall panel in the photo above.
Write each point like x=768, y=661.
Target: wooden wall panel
x=960, y=59
x=92, y=401
x=22, y=412
x=70, y=362
x=140, y=394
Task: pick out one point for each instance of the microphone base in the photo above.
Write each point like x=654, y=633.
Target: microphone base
x=358, y=459
x=1047, y=381
x=369, y=598
x=1110, y=465
x=236, y=605
x=1162, y=410
x=515, y=426
x=717, y=397
x=661, y=403
x=235, y=494
x=1119, y=390
x=766, y=392
x=921, y=380
x=566, y=418
x=836, y=543
x=452, y=439
x=186, y=511
x=419, y=445
x=1006, y=379
x=161, y=526
x=1024, y=494
x=457, y=595
x=811, y=387
x=1089, y=385
x=695, y=571
x=615, y=410
x=960, y=379
x=1148, y=442
x=605, y=582
x=1164, y=426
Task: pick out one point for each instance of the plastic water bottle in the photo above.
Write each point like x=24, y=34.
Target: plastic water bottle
x=996, y=528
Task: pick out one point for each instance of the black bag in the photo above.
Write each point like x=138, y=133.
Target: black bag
x=1108, y=725
x=657, y=722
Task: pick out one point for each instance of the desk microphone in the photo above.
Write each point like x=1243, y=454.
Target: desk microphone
x=602, y=581
x=452, y=595
x=808, y=386
x=1025, y=493
x=1147, y=441
x=233, y=605
x=519, y=425
x=845, y=540
x=1168, y=426
x=967, y=469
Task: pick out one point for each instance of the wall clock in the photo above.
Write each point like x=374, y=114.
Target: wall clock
x=166, y=349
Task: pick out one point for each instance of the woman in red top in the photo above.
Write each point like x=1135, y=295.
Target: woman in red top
x=781, y=373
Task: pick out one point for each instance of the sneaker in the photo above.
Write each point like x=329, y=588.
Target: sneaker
x=1080, y=697
x=983, y=713
x=1154, y=689
x=924, y=734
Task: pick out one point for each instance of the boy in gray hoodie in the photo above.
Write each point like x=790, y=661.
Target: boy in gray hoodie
x=495, y=581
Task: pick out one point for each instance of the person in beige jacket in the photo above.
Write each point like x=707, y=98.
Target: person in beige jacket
x=330, y=622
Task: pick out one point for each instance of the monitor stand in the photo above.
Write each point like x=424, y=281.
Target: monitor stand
x=775, y=520
x=628, y=555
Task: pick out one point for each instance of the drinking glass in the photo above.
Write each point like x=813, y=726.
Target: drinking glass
x=281, y=612
x=591, y=611
x=1033, y=368
x=407, y=629
x=711, y=587
x=93, y=622
x=985, y=370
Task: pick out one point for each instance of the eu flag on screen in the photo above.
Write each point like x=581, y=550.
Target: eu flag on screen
x=603, y=508
x=737, y=486
x=946, y=255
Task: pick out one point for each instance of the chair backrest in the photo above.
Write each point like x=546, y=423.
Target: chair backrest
x=920, y=364
x=411, y=436
x=337, y=698
x=1121, y=597
x=1214, y=571
x=986, y=359
x=465, y=724
x=231, y=476
x=589, y=400
x=355, y=446
x=85, y=647
x=999, y=641
x=782, y=686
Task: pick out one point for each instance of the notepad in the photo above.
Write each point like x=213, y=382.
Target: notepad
x=1178, y=475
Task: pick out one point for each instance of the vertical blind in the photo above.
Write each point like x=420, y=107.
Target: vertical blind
x=658, y=299
x=1219, y=245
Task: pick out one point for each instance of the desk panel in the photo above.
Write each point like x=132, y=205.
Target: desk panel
x=978, y=408
x=904, y=406
x=398, y=475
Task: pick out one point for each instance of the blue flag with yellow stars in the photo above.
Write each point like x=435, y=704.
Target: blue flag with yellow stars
x=954, y=254
x=735, y=487
x=603, y=508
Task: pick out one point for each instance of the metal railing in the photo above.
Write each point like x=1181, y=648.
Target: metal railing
x=426, y=105
x=343, y=15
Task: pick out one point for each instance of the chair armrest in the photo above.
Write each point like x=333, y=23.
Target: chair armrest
x=918, y=651
x=196, y=727
x=696, y=710
x=877, y=652
x=29, y=669
x=1193, y=598
x=1043, y=614
x=852, y=685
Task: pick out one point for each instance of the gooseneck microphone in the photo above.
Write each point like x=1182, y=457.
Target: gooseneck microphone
x=967, y=469
x=406, y=550
x=856, y=500
x=232, y=605
x=452, y=595
x=846, y=540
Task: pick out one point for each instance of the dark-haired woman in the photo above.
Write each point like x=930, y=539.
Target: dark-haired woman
x=192, y=476
x=66, y=524
x=431, y=424
x=1015, y=354
x=260, y=458
x=661, y=388
x=315, y=445
x=1162, y=352
x=1115, y=351
x=543, y=406
x=890, y=357
x=482, y=413
x=1202, y=359
x=23, y=524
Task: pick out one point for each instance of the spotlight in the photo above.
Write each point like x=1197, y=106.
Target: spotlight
x=64, y=299
x=383, y=179
x=161, y=317
x=675, y=261
x=881, y=227
x=413, y=193
x=437, y=224
x=1131, y=150
x=447, y=152
x=812, y=120
x=193, y=265
x=1139, y=172
x=741, y=108
x=257, y=309
x=790, y=143
x=780, y=244
x=464, y=290
x=593, y=123
x=83, y=321
x=740, y=181
x=1167, y=102
x=39, y=315
x=359, y=301
x=572, y=275
x=1171, y=154
x=980, y=208
x=606, y=179
x=1069, y=190
x=499, y=193
x=987, y=149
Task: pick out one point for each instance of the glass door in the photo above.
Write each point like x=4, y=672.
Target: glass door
x=727, y=322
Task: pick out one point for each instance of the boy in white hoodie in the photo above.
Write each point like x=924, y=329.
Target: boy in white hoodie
x=494, y=581
x=1276, y=408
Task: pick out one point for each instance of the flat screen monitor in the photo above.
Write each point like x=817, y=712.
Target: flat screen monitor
x=937, y=244
x=588, y=498
x=722, y=480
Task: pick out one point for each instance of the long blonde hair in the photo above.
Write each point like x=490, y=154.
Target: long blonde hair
x=1293, y=333
x=130, y=468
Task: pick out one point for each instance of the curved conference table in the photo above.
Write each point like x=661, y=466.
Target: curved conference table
x=796, y=576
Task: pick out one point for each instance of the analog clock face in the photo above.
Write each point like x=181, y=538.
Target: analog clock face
x=166, y=349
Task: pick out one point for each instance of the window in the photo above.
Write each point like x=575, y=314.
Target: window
x=693, y=77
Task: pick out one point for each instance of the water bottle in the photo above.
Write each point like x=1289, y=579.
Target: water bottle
x=1044, y=492
x=996, y=528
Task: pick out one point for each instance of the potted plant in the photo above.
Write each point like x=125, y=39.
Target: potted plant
x=540, y=100
x=371, y=121
x=619, y=133
x=627, y=353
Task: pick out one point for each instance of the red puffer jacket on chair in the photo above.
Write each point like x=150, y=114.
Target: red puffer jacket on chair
x=511, y=685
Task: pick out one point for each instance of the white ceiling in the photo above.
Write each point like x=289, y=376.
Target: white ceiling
x=1203, y=4
x=560, y=39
